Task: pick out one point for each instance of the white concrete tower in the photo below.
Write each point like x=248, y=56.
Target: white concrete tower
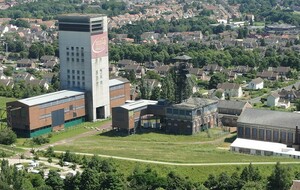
x=83, y=51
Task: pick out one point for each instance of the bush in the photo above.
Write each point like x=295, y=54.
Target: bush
x=40, y=140
x=7, y=136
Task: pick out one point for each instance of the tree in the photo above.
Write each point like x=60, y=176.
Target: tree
x=280, y=179
x=216, y=79
x=90, y=179
x=72, y=182
x=155, y=94
x=250, y=173
x=168, y=88
x=7, y=136
x=54, y=180
x=297, y=104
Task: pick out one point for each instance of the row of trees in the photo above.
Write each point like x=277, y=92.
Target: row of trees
x=49, y=9
x=204, y=55
x=103, y=174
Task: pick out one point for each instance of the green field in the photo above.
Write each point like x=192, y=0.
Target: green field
x=196, y=173
x=162, y=147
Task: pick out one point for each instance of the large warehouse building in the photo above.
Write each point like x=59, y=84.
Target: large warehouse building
x=266, y=125
x=43, y=114
x=83, y=53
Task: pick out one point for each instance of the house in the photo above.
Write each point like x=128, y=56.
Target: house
x=291, y=95
x=36, y=82
x=199, y=73
x=122, y=63
x=273, y=99
x=229, y=111
x=23, y=76
x=7, y=82
x=48, y=77
x=153, y=64
x=268, y=75
x=163, y=70
x=231, y=89
x=256, y=84
x=282, y=71
x=26, y=63
x=213, y=68
x=46, y=58
x=49, y=64
x=137, y=69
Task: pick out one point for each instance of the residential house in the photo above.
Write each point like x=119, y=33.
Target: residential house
x=137, y=69
x=46, y=58
x=282, y=71
x=241, y=69
x=26, y=63
x=122, y=63
x=152, y=64
x=268, y=75
x=213, y=68
x=256, y=84
x=231, y=74
x=36, y=82
x=163, y=70
x=199, y=73
x=290, y=95
x=48, y=77
x=23, y=76
x=231, y=89
x=273, y=99
x=7, y=82
x=113, y=70
x=49, y=64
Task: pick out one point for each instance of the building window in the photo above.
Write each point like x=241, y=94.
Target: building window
x=83, y=78
x=77, y=60
x=68, y=53
x=77, y=54
x=73, y=77
x=78, y=83
x=68, y=59
x=73, y=71
x=82, y=60
x=82, y=72
x=78, y=77
x=72, y=48
x=67, y=48
x=71, y=107
x=72, y=53
x=83, y=84
x=78, y=72
x=73, y=83
x=68, y=76
x=72, y=59
x=68, y=71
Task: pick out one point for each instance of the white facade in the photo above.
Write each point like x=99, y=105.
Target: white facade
x=83, y=48
x=256, y=86
x=234, y=92
x=272, y=100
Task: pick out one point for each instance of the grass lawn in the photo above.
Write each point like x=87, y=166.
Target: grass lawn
x=162, y=147
x=68, y=133
x=3, y=101
x=196, y=173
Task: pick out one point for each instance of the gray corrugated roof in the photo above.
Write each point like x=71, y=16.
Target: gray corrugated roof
x=230, y=104
x=193, y=103
x=270, y=118
x=117, y=81
x=37, y=100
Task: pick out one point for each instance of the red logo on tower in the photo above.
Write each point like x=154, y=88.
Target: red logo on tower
x=99, y=45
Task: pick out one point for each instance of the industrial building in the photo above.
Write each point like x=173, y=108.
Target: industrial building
x=188, y=117
x=42, y=114
x=272, y=126
x=83, y=52
x=119, y=91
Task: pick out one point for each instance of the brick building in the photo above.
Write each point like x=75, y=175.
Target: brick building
x=42, y=114
x=189, y=117
x=119, y=91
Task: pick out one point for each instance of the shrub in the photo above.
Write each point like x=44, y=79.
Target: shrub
x=7, y=136
x=40, y=140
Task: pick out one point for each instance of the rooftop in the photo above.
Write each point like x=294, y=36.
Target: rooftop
x=37, y=100
x=138, y=104
x=270, y=118
x=193, y=103
x=117, y=81
x=231, y=104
